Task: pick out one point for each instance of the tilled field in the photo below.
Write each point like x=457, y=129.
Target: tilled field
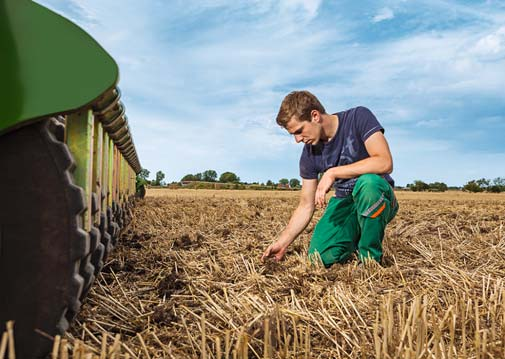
x=186, y=281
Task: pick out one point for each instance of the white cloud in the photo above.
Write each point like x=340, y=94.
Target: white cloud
x=203, y=81
x=228, y=140
x=383, y=14
x=420, y=66
x=434, y=160
x=87, y=14
x=310, y=7
x=448, y=167
x=492, y=44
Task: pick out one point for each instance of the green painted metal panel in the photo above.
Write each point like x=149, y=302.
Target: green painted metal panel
x=105, y=170
x=121, y=176
x=79, y=137
x=48, y=65
x=110, y=196
x=98, y=166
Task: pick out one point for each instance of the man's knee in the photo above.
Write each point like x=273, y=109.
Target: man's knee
x=371, y=195
x=369, y=181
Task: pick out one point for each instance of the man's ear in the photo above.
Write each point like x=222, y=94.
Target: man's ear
x=315, y=116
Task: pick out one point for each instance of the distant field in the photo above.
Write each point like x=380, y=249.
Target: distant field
x=226, y=193
x=186, y=281
x=450, y=195
x=402, y=195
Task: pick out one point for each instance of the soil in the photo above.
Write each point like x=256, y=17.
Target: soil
x=192, y=258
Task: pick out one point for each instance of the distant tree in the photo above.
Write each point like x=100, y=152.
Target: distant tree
x=209, y=176
x=284, y=181
x=270, y=183
x=483, y=183
x=419, y=186
x=188, y=177
x=438, y=187
x=141, y=182
x=494, y=189
x=144, y=174
x=294, y=183
x=499, y=181
x=499, y=184
x=472, y=186
x=229, y=177
x=160, y=176
x=198, y=177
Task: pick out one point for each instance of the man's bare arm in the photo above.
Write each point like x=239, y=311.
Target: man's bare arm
x=379, y=162
x=299, y=220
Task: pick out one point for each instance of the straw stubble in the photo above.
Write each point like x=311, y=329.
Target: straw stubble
x=188, y=271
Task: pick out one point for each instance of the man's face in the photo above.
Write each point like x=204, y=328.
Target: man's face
x=304, y=131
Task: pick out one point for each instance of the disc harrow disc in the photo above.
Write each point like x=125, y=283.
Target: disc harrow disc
x=105, y=236
x=87, y=269
x=112, y=226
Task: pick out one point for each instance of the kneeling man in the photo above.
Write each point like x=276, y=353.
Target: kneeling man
x=350, y=151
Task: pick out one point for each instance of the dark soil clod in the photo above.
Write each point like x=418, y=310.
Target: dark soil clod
x=163, y=315
x=170, y=284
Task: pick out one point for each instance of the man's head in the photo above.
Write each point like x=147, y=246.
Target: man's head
x=298, y=104
x=300, y=114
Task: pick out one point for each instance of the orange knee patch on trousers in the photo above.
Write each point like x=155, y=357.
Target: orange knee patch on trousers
x=379, y=211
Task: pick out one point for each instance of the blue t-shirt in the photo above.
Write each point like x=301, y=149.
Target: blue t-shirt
x=346, y=147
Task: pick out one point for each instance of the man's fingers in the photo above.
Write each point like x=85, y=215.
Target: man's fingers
x=319, y=200
x=318, y=197
x=266, y=254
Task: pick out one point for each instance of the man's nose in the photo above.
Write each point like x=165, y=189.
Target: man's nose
x=298, y=138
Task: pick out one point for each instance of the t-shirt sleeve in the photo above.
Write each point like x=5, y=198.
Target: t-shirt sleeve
x=366, y=123
x=307, y=168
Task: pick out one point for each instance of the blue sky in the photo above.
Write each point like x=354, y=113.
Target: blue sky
x=202, y=81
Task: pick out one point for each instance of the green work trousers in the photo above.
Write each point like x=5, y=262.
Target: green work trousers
x=355, y=223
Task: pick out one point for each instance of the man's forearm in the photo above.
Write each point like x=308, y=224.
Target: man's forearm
x=375, y=165
x=380, y=160
x=299, y=220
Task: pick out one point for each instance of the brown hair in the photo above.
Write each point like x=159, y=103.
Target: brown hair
x=299, y=104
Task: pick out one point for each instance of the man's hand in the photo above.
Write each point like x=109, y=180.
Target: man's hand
x=275, y=250
x=323, y=187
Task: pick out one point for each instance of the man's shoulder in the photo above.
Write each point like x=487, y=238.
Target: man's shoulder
x=355, y=111
x=357, y=116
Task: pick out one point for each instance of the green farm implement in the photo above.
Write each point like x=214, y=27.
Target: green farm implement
x=68, y=167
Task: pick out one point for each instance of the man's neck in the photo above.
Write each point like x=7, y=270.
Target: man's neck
x=329, y=127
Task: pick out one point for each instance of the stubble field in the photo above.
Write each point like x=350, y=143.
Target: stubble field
x=186, y=281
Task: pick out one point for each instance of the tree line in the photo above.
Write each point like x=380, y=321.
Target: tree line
x=211, y=176
x=496, y=185
x=230, y=177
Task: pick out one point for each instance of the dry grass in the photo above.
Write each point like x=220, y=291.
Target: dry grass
x=186, y=281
